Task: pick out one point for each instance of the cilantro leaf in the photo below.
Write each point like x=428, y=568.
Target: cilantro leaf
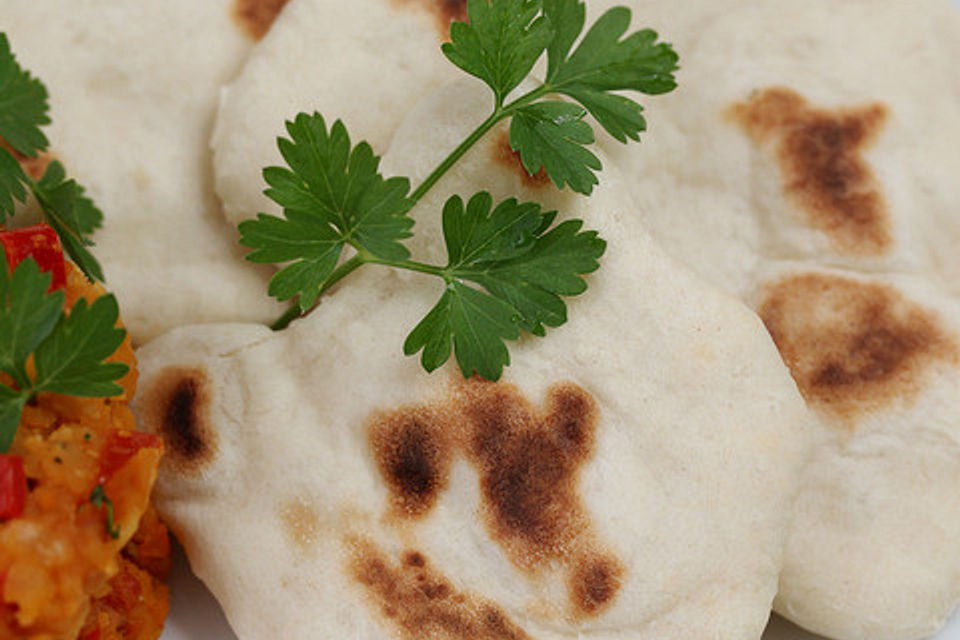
x=524, y=269
x=604, y=62
x=27, y=315
x=71, y=359
x=12, y=179
x=23, y=105
x=11, y=408
x=332, y=196
x=552, y=135
x=71, y=214
x=567, y=18
x=500, y=43
x=475, y=322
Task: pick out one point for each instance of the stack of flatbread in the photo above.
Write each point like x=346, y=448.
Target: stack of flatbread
x=809, y=164
x=630, y=477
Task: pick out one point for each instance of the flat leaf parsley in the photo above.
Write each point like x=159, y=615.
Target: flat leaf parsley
x=23, y=110
x=508, y=266
x=66, y=351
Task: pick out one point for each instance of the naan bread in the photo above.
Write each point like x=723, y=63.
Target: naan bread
x=133, y=90
x=630, y=477
x=808, y=163
x=364, y=62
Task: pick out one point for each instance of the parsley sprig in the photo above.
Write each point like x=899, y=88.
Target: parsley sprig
x=508, y=266
x=45, y=349
x=65, y=207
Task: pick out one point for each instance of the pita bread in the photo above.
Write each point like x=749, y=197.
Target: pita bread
x=811, y=154
x=133, y=90
x=630, y=477
x=362, y=62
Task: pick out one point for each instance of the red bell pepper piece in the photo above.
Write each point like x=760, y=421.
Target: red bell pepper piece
x=41, y=242
x=121, y=446
x=13, y=486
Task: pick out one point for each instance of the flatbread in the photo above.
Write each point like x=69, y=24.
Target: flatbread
x=810, y=157
x=133, y=89
x=364, y=61
x=630, y=477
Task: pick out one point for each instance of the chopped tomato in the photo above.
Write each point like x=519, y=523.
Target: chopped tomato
x=92, y=634
x=13, y=486
x=42, y=243
x=121, y=446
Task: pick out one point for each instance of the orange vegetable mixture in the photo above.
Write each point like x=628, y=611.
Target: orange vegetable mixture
x=62, y=575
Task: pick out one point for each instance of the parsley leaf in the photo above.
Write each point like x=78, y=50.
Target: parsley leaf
x=550, y=135
x=332, y=195
x=500, y=43
x=23, y=105
x=12, y=179
x=602, y=62
x=71, y=214
x=70, y=359
x=23, y=109
x=68, y=349
x=27, y=316
x=523, y=267
x=11, y=408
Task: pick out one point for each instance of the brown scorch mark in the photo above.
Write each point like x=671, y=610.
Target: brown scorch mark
x=528, y=464
x=175, y=406
x=507, y=157
x=256, y=16
x=301, y=522
x=853, y=346
x=414, y=459
x=820, y=156
x=418, y=602
x=443, y=12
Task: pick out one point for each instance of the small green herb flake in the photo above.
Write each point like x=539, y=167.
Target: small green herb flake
x=23, y=105
x=524, y=267
x=332, y=195
x=99, y=499
x=501, y=42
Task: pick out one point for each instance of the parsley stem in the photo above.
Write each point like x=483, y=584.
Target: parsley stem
x=341, y=272
x=498, y=115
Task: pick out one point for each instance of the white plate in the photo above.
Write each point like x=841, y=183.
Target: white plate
x=195, y=614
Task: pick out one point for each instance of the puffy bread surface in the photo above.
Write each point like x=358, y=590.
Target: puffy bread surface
x=363, y=62
x=808, y=163
x=630, y=477
x=133, y=90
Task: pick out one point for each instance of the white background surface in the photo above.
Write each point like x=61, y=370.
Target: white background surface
x=195, y=615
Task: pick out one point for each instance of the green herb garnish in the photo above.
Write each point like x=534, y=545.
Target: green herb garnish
x=23, y=110
x=507, y=268
x=68, y=350
x=98, y=498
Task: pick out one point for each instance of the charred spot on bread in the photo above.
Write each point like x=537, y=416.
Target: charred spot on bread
x=528, y=462
x=255, y=17
x=413, y=457
x=595, y=582
x=176, y=406
x=417, y=601
x=853, y=346
x=819, y=153
x=505, y=156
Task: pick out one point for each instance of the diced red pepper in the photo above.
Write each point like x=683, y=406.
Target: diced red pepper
x=121, y=446
x=92, y=634
x=41, y=242
x=13, y=486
